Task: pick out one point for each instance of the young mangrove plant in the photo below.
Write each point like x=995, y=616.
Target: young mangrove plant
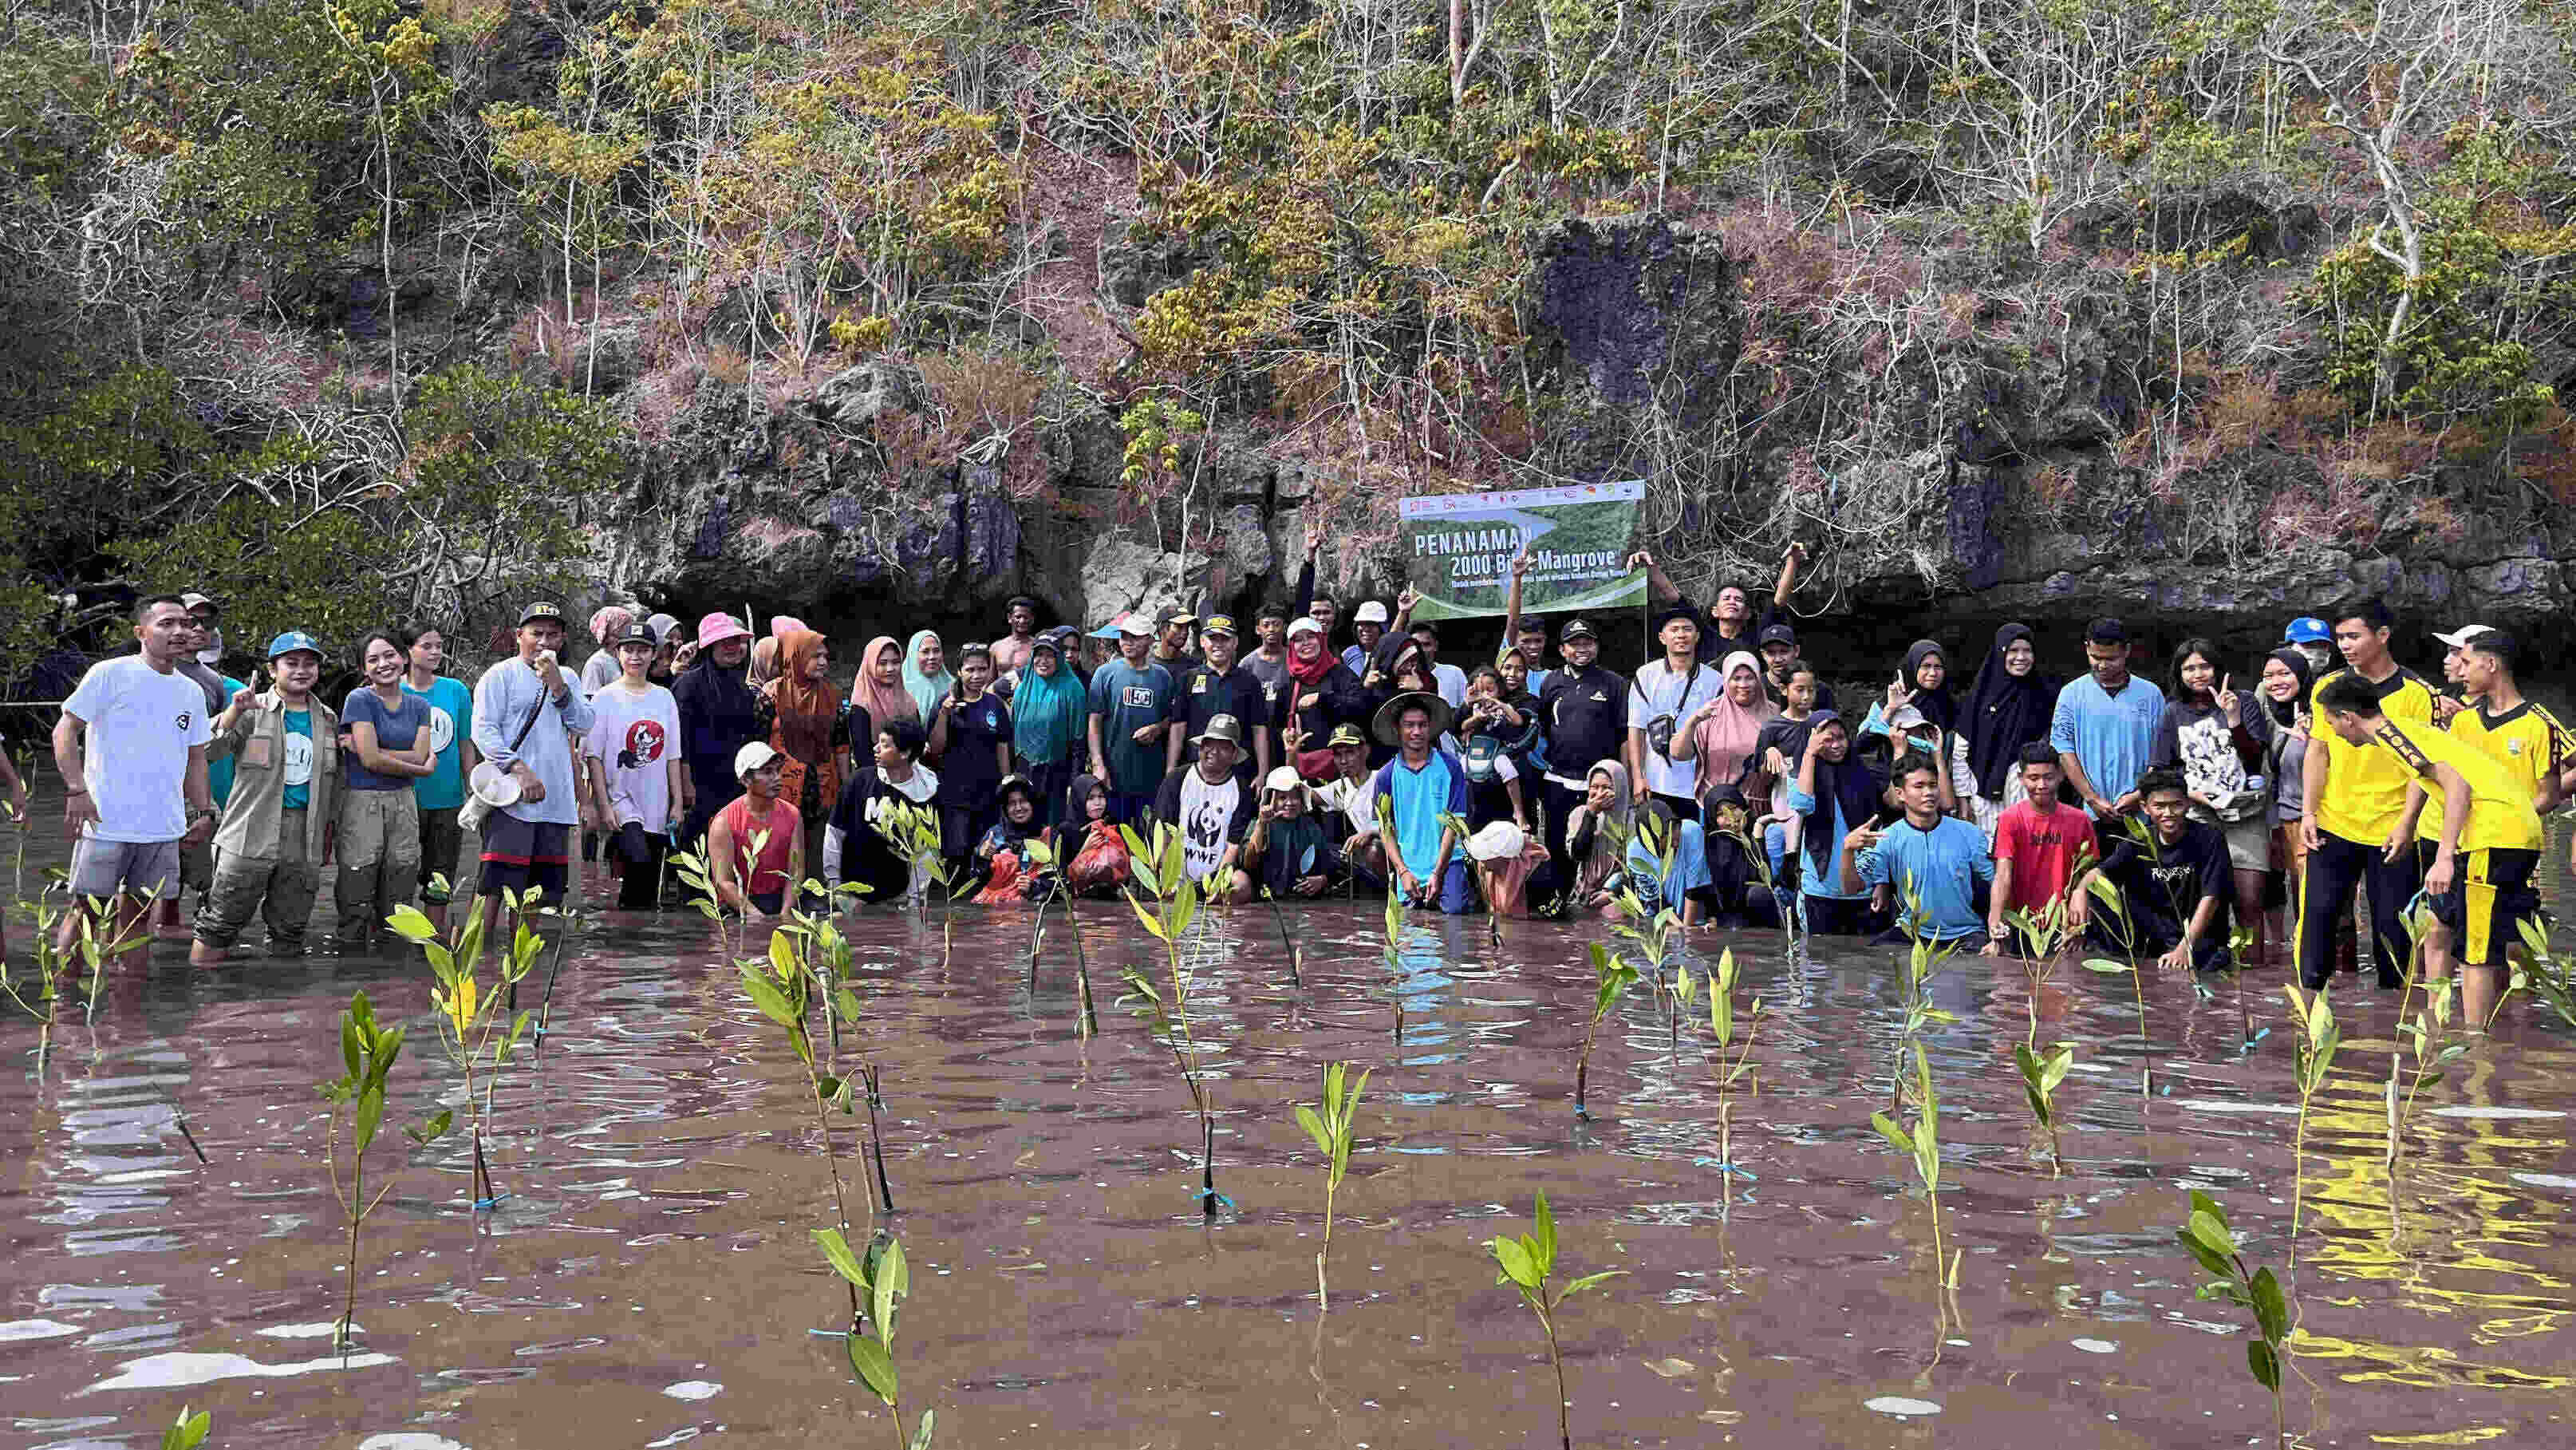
x=1652, y=927
x=2046, y=934
x=1331, y=1130
x=883, y=1281
x=781, y=985
x=2318, y=1038
x=1729, y=1070
x=188, y=1431
x=357, y=1099
x=694, y=873
x=2428, y=1033
x=913, y=832
x=474, y=1024
x=2206, y=1235
x=2547, y=975
x=1923, y=961
x=1922, y=1143
x=2040, y=1077
x=1528, y=1264
x=2122, y=929
x=1043, y=858
x=1157, y=867
x=1612, y=977
x=1394, y=937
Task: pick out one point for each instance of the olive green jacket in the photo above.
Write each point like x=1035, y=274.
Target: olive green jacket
x=258, y=804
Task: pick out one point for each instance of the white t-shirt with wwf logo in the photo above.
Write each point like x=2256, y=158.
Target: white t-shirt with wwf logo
x=137, y=726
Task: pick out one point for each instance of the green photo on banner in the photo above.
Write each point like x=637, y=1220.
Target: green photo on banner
x=1459, y=548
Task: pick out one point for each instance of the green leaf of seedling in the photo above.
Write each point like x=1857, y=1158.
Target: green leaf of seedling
x=349, y=1040
x=1315, y=1128
x=442, y=963
x=766, y=996
x=1897, y=1137
x=836, y=1249
x=409, y=924
x=889, y=1280
x=921, y=1431
x=371, y=1111
x=1543, y=1247
x=875, y=1367
x=2264, y=1363
x=433, y=1130
x=2106, y=966
x=188, y=1431
x=1513, y=1258
x=2208, y=1257
x=846, y=1003
x=1588, y=1281
x=2212, y=1230
x=2271, y=1311
x=1153, y=923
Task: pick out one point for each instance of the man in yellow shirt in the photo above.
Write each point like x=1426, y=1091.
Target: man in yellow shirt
x=2353, y=797
x=2506, y=725
x=2485, y=845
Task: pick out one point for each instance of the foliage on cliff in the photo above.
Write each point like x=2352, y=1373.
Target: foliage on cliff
x=366, y=305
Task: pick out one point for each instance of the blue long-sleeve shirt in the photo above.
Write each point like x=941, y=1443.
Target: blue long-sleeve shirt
x=1941, y=866
x=1825, y=885
x=501, y=701
x=2113, y=735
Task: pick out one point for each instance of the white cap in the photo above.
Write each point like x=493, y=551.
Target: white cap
x=752, y=756
x=1304, y=624
x=1284, y=777
x=1370, y=612
x=1133, y=623
x=2459, y=638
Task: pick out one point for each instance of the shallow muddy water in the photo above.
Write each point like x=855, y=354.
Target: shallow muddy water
x=648, y=1279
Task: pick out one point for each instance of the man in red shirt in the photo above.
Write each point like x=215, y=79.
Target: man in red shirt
x=2040, y=846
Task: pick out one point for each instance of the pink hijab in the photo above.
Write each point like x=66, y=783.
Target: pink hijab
x=1725, y=735
x=884, y=703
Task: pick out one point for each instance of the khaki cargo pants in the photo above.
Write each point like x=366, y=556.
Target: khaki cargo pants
x=280, y=888
x=379, y=851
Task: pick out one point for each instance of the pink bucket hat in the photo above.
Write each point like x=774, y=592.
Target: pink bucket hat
x=715, y=629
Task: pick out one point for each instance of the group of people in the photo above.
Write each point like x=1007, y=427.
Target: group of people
x=1292, y=764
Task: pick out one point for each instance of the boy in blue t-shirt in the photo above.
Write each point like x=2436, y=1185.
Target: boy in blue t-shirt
x=1930, y=862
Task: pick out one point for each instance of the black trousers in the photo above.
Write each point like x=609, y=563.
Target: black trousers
x=2337, y=868
x=640, y=889
x=1559, y=802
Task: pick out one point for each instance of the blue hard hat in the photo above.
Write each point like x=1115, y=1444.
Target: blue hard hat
x=293, y=640
x=2307, y=629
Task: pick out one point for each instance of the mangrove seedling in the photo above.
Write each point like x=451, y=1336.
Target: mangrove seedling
x=474, y=1025
x=1394, y=936
x=2548, y=975
x=1331, y=1130
x=1612, y=977
x=1157, y=866
x=2122, y=929
x=883, y=1281
x=1923, y=961
x=2046, y=935
x=188, y=1431
x=367, y=1052
x=1653, y=926
x=781, y=986
x=1729, y=1070
x=913, y=832
x=1044, y=859
x=2206, y=1235
x=2040, y=1077
x=1528, y=1264
x=2428, y=1034
x=1923, y=1144
x=2318, y=1038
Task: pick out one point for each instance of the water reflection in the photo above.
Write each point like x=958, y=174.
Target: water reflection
x=664, y=1172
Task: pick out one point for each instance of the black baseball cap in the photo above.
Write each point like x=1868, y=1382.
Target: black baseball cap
x=1576, y=629
x=540, y=610
x=637, y=632
x=1778, y=634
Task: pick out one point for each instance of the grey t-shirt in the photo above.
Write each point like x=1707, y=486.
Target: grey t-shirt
x=398, y=727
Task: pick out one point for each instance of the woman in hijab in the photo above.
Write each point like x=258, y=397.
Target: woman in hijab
x=1834, y=794
x=879, y=686
x=1050, y=711
x=1721, y=734
x=2008, y=707
x=1609, y=810
x=718, y=714
x=764, y=663
x=2283, y=693
x=604, y=667
x=927, y=680
x=809, y=725
x=1322, y=693
x=1920, y=715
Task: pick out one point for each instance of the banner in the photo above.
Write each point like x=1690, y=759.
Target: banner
x=1459, y=547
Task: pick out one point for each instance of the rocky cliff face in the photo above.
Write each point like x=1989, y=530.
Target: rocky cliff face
x=1971, y=473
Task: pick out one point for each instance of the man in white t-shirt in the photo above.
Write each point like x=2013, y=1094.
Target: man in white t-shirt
x=1664, y=693
x=133, y=738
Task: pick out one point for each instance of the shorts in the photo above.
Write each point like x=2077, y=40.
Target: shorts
x=2249, y=843
x=2490, y=897
x=523, y=856
x=441, y=839
x=146, y=869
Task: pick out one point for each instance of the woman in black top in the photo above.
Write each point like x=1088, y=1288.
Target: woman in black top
x=977, y=756
x=719, y=714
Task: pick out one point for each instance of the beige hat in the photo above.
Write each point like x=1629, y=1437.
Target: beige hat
x=752, y=756
x=1283, y=777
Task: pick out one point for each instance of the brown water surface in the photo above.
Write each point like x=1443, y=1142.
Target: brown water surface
x=649, y=1279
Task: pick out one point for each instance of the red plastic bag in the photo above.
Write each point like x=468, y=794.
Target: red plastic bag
x=1008, y=883
x=1100, y=867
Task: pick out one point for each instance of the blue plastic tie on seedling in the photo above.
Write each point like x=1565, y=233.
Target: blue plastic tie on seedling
x=1204, y=1194
x=2257, y=1037
x=494, y=1201
x=829, y=1333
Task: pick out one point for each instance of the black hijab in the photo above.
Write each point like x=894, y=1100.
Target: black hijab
x=2286, y=714
x=2004, y=713
x=1938, y=706
x=1849, y=783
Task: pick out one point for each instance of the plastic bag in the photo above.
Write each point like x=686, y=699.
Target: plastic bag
x=1100, y=867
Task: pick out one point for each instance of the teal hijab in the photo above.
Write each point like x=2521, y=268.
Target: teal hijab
x=1048, y=712
x=926, y=690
